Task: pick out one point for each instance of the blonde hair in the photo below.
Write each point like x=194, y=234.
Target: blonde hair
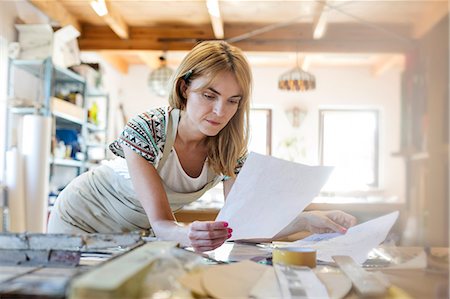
x=209, y=59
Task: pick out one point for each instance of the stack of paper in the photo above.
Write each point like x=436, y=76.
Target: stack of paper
x=357, y=242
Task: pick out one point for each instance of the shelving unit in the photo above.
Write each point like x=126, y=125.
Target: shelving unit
x=65, y=115
x=100, y=130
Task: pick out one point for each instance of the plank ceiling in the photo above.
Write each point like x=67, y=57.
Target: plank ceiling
x=138, y=31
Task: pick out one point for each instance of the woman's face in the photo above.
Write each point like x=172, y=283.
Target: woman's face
x=208, y=110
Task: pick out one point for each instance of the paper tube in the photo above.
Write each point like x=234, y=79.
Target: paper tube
x=16, y=191
x=36, y=136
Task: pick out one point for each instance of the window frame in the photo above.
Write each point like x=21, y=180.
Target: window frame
x=268, y=127
x=376, y=161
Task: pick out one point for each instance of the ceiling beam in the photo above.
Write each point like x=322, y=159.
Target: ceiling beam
x=340, y=38
x=57, y=12
x=115, y=61
x=436, y=11
x=386, y=63
x=116, y=22
x=216, y=18
x=320, y=20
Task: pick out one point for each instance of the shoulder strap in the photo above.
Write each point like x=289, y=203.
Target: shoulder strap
x=171, y=132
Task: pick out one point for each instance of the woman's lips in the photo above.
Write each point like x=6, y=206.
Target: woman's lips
x=214, y=123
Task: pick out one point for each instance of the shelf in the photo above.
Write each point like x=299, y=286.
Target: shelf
x=67, y=111
x=35, y=67
x=97, y=145
x=68, y=75
x=67, y=120
x=94, y=128
x=65, y=115
x=93, y=93
x=66, y=162
x=26, y=110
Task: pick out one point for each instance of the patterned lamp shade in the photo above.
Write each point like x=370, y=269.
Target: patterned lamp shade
x=297, y=80
x=158, y=80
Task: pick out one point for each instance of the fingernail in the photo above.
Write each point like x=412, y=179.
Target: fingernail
x=230, y=230
x=344, y=230
x=229, y=236
x=225, y=224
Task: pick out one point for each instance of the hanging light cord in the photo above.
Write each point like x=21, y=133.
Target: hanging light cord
x=366, y=23
x=330, y=7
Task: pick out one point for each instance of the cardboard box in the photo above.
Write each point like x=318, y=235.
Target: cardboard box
x=38, y=41
x=67, y=110
x=89, y=74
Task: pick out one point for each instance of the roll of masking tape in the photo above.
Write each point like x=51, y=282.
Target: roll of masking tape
x=294, y=256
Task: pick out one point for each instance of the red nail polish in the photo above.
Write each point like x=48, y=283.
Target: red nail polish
x=229, y=236
x=230, y=230
x=225, y=224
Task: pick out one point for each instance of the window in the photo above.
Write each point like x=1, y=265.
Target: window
x=260, y=131
x=349, y=142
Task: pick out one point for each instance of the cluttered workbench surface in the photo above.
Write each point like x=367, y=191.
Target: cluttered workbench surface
x=131, y=266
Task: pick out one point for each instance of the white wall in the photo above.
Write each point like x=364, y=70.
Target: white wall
x=136, y=93
x=346, y=87
x=338, y=87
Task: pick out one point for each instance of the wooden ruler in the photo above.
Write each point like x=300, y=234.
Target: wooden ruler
x=365, y=283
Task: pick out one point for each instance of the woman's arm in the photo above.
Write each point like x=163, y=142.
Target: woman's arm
x=202, y=235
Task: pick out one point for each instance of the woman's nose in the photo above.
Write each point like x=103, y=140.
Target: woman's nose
x=219, y=108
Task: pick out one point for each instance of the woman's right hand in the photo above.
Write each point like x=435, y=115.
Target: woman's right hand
x=208, y=235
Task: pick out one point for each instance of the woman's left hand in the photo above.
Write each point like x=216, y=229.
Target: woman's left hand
x=328, y=221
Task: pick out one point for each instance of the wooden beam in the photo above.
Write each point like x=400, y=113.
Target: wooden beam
x=115, y=61
x=340, y=38
x=436, y=11
x=116, y=22
x=386, y=63
x=320, y=20
x=216, y=19
x=57, y=12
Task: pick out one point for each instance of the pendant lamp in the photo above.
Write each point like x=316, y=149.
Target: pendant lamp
x=158, y=80
x=297, y=79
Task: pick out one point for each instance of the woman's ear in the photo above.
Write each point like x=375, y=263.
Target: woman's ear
x=183, y=89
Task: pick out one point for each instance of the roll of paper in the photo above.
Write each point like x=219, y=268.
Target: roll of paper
x=16, y=191
x=35, y=146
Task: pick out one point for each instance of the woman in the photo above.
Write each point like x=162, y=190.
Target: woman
x=173, y=155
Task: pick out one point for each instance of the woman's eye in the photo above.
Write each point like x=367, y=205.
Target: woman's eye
x=209, y=96
x=234, y=101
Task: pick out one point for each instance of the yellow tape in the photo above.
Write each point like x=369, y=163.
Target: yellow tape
x=294, y=256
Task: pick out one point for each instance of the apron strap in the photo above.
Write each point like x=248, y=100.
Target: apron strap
x=171, y=132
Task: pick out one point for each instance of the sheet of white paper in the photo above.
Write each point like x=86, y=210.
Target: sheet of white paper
x=268, y=194
x=357, y=242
